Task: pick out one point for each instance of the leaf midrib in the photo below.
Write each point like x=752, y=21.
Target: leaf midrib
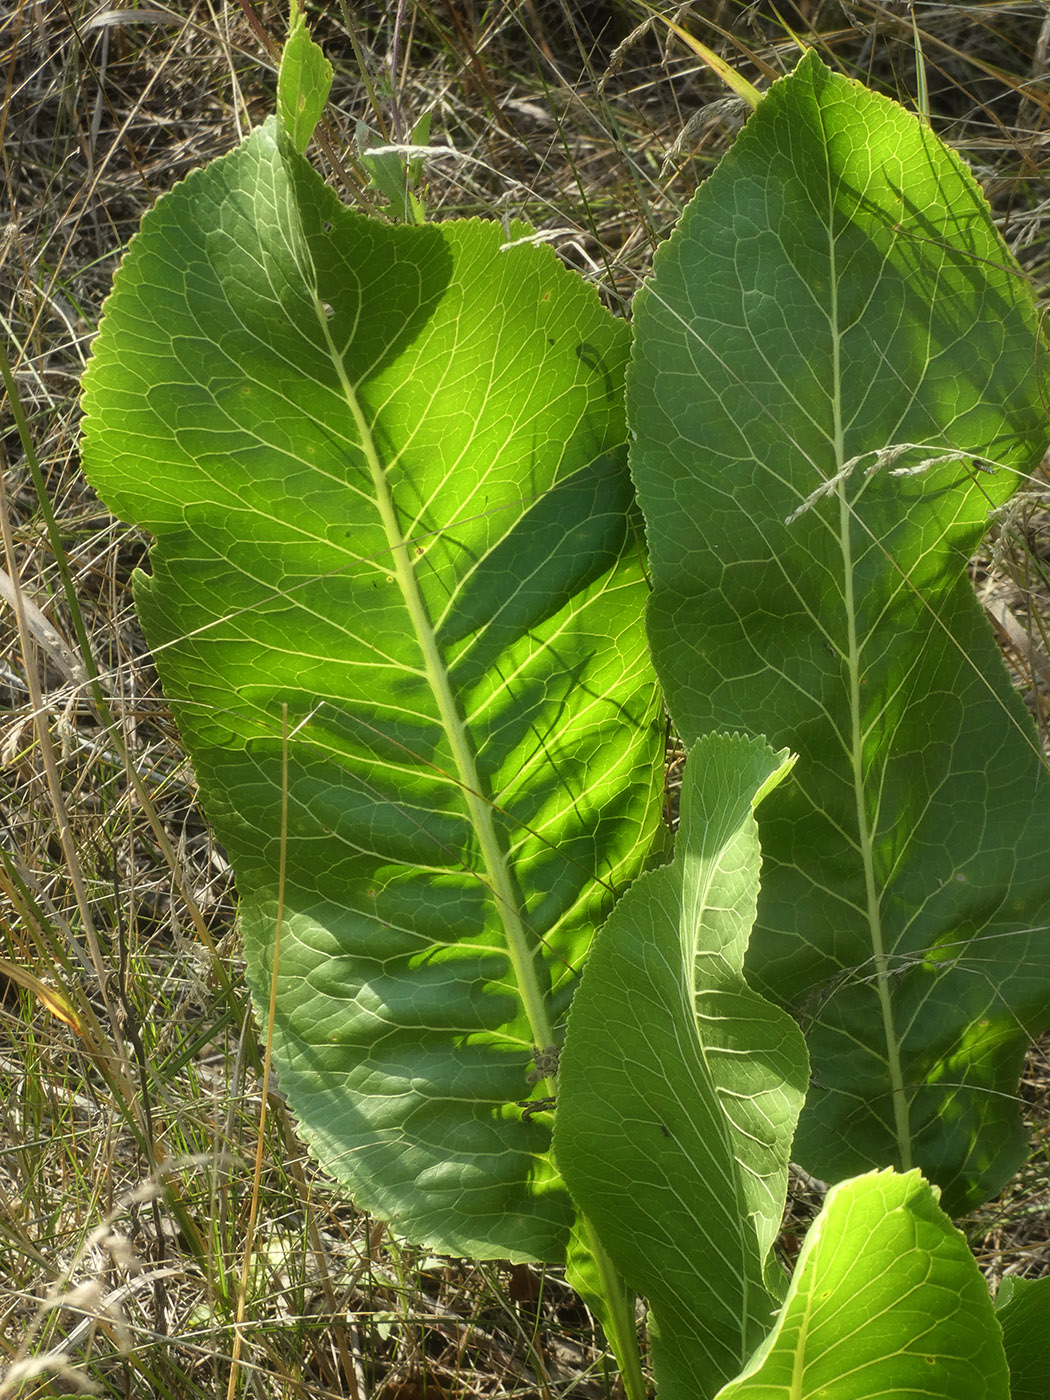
x=865, y=836
x=496, y=866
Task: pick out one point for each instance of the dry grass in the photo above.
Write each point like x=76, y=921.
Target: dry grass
x=129, y=1064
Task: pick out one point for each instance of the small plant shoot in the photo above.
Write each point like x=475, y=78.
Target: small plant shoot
x=417, y=607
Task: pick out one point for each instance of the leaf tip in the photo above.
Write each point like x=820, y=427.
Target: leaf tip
x=303, y=83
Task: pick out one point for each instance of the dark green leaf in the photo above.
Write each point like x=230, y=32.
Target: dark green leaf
x=835, y=309
x=1023, y=1310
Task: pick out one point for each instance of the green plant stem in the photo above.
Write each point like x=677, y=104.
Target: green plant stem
x=866, y=843
x=595, y=1278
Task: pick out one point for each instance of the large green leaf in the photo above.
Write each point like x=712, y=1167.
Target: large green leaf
x=680, y=1087
x=395, y=602
x=835, y=292
x=886, y=1300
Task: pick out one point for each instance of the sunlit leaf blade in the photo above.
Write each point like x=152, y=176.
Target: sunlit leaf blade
x=680, y=1087
x=835, y=290
x=385, y=471
x=886, y=1300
